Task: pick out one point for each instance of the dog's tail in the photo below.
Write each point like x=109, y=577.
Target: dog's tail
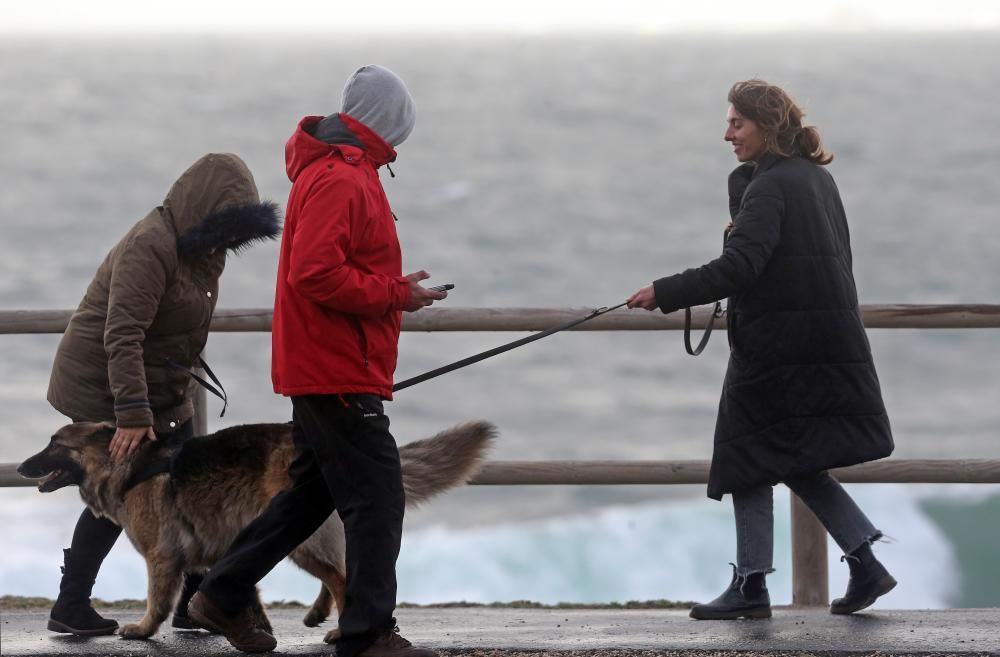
x=445, y=460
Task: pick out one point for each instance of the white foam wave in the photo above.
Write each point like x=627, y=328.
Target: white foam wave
x=675, y=549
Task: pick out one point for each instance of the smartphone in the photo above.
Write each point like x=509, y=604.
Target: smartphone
x=442, y=288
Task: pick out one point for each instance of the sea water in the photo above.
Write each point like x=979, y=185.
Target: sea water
x=543, y=172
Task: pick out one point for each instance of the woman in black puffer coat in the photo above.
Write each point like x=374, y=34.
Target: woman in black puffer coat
x=801, y=394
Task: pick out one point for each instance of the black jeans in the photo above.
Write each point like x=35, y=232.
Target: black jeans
x=346, y=460
x=94, y=537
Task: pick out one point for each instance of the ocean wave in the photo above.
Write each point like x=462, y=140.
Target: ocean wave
x=674, y=549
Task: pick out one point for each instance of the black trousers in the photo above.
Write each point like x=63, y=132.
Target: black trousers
x=346, y=461
x=94, y=537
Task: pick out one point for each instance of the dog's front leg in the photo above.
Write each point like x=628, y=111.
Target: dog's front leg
x=164, y=576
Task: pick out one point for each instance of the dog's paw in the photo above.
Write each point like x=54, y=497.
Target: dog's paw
x=332, y=635
x=314, y=618
x=134, y=631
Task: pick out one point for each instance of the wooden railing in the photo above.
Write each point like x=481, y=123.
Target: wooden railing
x=897, y=316
x=809, y=542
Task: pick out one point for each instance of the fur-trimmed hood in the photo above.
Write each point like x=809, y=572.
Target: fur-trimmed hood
x=234, y=228
x=215, y=205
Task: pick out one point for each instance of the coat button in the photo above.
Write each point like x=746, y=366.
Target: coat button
x=209, y=294
x=173, y=424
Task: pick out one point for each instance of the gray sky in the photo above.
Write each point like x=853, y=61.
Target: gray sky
x=523, y=16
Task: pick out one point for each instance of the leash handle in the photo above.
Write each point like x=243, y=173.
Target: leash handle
x=208, y=370
x=205, y=384
x=716, y=312
x=501, y=349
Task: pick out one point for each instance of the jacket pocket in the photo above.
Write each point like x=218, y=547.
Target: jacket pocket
x=359, y=333
x=166, y=385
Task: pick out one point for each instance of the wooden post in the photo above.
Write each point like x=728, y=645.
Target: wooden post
x=810, y=579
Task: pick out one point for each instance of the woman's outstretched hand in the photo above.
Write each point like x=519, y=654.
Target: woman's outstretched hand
x=644, y=298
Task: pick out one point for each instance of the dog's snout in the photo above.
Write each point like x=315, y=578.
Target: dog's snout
x=29, y=469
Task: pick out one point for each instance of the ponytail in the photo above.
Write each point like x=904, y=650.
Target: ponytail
x=811, y=146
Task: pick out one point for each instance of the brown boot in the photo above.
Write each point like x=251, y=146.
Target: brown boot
x=391, y=644
x=238, y=628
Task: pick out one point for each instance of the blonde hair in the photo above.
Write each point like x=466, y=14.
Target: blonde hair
x=779, y=119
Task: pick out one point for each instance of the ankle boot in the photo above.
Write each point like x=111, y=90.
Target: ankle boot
x=746, y=597
x=181, y=620
x=869, y=580
x=72, y=613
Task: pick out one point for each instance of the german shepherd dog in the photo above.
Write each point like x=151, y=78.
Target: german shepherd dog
x=185, y=519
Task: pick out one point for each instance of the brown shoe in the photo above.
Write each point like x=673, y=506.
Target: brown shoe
x=239, y=628
x=391, y=644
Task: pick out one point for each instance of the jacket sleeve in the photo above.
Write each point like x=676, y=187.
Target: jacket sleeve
x=138, y=281
x=319, y=269
x=755, y=235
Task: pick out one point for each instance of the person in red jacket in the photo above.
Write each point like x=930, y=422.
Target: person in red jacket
x=338, y=303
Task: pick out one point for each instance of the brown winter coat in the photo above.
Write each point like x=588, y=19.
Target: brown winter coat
x=145, y=317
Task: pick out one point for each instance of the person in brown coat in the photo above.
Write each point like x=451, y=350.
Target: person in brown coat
x=141, y=326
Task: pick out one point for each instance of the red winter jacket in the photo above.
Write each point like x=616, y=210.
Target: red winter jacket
x=340, y=288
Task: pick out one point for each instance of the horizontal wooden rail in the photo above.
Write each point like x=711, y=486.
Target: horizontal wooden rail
x=611, y=473
x=236, y=320
x=614, y=473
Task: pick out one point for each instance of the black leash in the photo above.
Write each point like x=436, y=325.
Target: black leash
x=716, y=312
x=502, y=348
x=205, y=384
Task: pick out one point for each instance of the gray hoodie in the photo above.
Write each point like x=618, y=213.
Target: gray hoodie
x=377, y=97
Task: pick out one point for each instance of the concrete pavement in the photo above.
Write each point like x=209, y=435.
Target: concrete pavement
x=488, y=631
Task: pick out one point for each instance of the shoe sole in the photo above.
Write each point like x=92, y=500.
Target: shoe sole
x=752, y=614
x=185, y=623
x=63, y=628
x=202, y=622
x=885, y=585
x=207, y=624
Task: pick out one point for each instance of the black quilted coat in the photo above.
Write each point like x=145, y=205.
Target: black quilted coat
x=801, y=394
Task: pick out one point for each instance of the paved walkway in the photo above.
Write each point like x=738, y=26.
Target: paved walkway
x=483, y=631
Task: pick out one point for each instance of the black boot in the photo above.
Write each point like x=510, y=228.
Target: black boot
x=181, y=620
x=746, y=597
x=72, y=612
x=869, y=580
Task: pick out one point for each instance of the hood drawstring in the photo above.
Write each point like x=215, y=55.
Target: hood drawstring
x=393, y=174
